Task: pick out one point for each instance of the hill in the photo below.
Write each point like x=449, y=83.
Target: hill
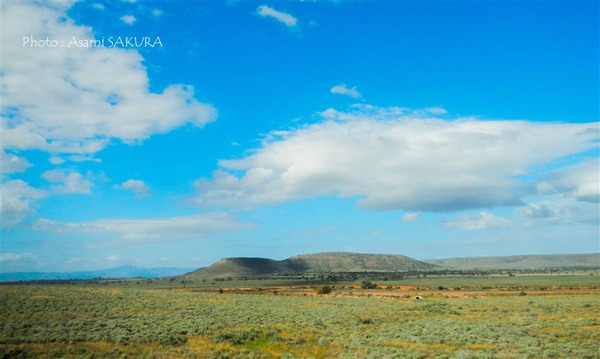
x=116, y=272
x=354, y=262
x=591, y=260
x=243, y=266
x=337, y=262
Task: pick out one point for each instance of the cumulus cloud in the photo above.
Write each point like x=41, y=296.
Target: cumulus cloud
x=56, y=160
x=481, y=220
x=10, y=163
x=67, y=182
x=581, y=181
x=17, y=201
x=128, y=19
x=285, y=18
x=395, y=159
x=559, y=209
x=139, y=188
x=76, y=100
x=535, y=210
x=343, y=89
x=150, y=230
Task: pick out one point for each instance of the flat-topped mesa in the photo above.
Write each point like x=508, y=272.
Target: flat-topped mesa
x=333, y=262
x=355, y=262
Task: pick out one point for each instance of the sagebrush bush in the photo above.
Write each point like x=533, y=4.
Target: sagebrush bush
x=236, y=337
x=324, y=290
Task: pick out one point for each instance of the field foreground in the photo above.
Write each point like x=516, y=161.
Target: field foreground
x=99, y=320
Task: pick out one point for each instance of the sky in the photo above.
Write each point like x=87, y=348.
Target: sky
x=176, y=133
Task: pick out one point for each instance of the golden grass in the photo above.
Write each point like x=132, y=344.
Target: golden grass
x=427, y=348
x=290, y=342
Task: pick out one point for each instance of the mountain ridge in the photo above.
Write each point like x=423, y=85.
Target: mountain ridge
x=327, y=262
x=124, y=271
x=526, y=261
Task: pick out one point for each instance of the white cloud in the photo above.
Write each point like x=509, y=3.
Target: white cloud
x=152, y=230
x=17, y=257
x=17, y=201
x=343, y=89
x=156, y=12
x=390, y=158
x=84, y=158
x=128, y=19
x=56, y=160
x=482, y=220
x=282, y=17
x=582, y=181
x=410, y=217
x=436, y=110
x=139, y=188
x=560, y=209
x=67, y=182
x=535, y=210
x=76, y=100
x=10, y=163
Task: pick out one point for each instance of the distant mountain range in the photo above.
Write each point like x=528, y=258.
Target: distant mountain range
x=334, y=262
x=588, y=260
x=117, y=272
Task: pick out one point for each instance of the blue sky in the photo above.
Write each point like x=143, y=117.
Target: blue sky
x=163, y=133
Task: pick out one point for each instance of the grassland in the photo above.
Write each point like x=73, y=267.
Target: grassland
x=533, y=316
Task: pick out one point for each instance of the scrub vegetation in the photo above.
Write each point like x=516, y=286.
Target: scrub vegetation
x=418, y=317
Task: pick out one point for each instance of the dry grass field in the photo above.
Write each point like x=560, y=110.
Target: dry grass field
x=126, y=319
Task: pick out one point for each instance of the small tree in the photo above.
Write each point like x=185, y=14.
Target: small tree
x=367, y=284
x=324, y=290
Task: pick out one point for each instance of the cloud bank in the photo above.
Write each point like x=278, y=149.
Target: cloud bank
x=396, y=159
x=150, y=230
x=69, y=99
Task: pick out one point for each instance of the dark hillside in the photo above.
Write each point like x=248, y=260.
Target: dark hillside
x=243, y=266
x=314, y=263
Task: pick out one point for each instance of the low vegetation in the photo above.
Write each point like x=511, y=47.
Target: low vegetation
x=456, y=317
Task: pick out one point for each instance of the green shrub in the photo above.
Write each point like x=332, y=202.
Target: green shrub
x=365, y=321
x=367, y=284
x=236, y=337
x=172, y=339
x=324, y=290
x=15, y=353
